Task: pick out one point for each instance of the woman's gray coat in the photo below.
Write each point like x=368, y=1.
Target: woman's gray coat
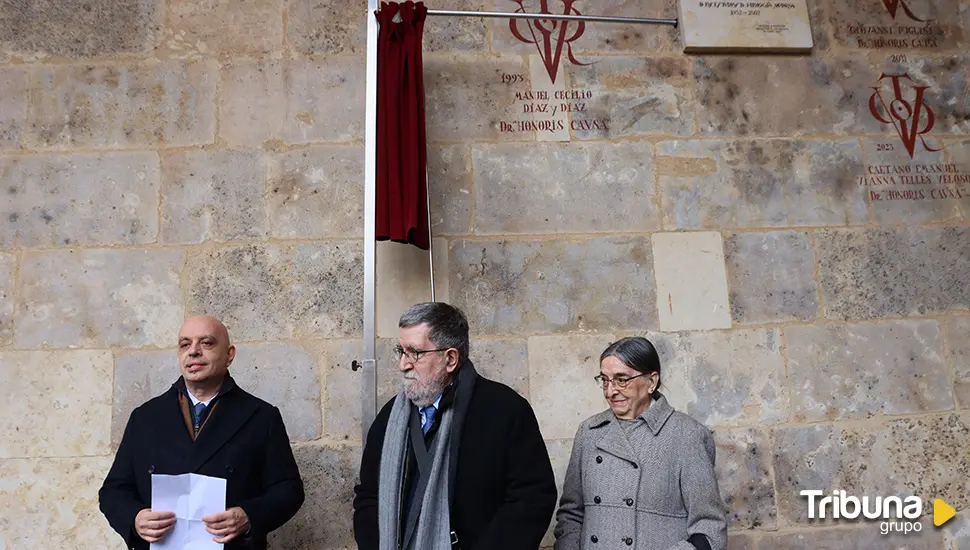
x=649, y=492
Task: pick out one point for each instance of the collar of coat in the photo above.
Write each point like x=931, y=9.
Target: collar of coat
x=655, y=416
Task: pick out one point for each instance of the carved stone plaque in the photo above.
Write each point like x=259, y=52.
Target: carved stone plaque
x=745, y=25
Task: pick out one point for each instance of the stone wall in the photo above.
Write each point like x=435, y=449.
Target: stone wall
x=165, y=158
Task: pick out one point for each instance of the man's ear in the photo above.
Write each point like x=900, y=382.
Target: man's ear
x=453, y=360
x=232, y=354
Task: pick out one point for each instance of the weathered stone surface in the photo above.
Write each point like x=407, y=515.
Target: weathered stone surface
x=958, y=153
x=138, y=377
x=867, y=536
x=107, y=106
x=323, y=100
x=272, y=291
x=927, y=457
x=389, y=379
x=45, y=419
x=859, y=371
x=690, y=274
x=894, y=272
x=593, y=38
x=316, y=193
x=746, y=386
x=637, y=96
x=77, y=28
x=784, y=96
x=958, y=340
x=13, y=105
x=776, y=183
x=561, y=387
x=343, y=398
x=53, y=503
x=524, y=287
x=285, y=375
x=325, y=522
x=905, y=198
x=54, y=201
x=99, y=298
x=948, y=89
x=743, y=468
x=196, y=28
x=466, y=98
x=559, y=451
x=506, y=361
x=564, y=188
x=864, y=25
x=771, y=277
x=958, y=533
x=404, y=279
x=740, y=541
x=327, y=27
x=213, y=195
x=443, y=34
x=252, y=103
x=451, y=188
x=8, y=275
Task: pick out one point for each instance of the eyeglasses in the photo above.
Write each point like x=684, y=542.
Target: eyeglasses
x=412, y=355
x=619, y=382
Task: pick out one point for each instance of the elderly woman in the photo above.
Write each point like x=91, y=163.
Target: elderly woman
x=641, y=475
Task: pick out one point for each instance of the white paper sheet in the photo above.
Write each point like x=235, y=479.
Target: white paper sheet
x=190, y=497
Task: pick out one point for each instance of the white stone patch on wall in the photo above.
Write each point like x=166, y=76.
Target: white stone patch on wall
x=691, y=281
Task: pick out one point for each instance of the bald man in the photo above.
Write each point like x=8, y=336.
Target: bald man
x=207, y=425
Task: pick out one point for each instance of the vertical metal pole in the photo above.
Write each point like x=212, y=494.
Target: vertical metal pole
x=368, y=389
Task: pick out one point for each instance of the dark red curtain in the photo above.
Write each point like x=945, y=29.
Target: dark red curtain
x=402, y=156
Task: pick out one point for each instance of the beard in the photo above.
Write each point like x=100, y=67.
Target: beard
x=423, y=392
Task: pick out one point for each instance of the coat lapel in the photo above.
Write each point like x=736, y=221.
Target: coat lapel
x=233, y=412
x=614, y=441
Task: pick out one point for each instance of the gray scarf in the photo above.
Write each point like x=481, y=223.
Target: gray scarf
x=433, y=531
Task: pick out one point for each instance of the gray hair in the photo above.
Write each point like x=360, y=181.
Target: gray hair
x=448, y=325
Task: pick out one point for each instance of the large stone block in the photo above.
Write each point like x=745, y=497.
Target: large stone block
x=957, y=532
x=8, y=298
x=197, y=28
x=138, y=377
x=325, y=522
x=744, y=387
x=316, y=193
x=109, y=106
x=958, y=340
x=466, y=98
x=559, y=452
x=100, y=298
x=524, y=287
x=505, y=361
x=771, y=277
x=860, y=371
x=784, y=96
x=58, y=405
x=344, y=396
x=690, y=273
x=323, y=100
x=78, y=28
x=451, y=188
x=588, y=38
x=912, y=197
x=637, y=96
x=13, y=105
x=53, y=503
x=403, y=279
x=280, y=292
x=213, y=195
x=893, y=272
x=54, y=201
x=913, y=25
x=743, y=468
x=928, y=457
x=561, y=387
x=469, y=34
x=763, y=183
x=946, y=95
x=326, y=27
x=564, y=188
x=252, y=103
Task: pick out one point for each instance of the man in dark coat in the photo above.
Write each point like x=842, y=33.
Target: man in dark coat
x=207, y=425
x=455, y=460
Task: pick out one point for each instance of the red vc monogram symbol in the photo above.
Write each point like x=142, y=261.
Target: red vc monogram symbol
x=893, y=5
x=545, y=32
x=904, y=115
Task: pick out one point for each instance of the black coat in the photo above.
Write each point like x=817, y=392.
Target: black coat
x=243, y=441
x=505, y=492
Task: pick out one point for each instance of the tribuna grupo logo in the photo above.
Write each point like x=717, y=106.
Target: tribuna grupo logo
x=897, y=514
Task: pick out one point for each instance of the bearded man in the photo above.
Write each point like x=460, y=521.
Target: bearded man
x=455, y=460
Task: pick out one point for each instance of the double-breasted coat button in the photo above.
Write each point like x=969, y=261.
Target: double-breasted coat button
x=593, y=539
x=597, y=500
x=635, y=466
x=229, y=468
x=151, y=469
x=628, y=541
x=599, y=460
x=629, y=502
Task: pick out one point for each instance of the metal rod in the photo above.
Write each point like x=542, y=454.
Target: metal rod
x=427, y=187
x=368, y=384
x=522, y=15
